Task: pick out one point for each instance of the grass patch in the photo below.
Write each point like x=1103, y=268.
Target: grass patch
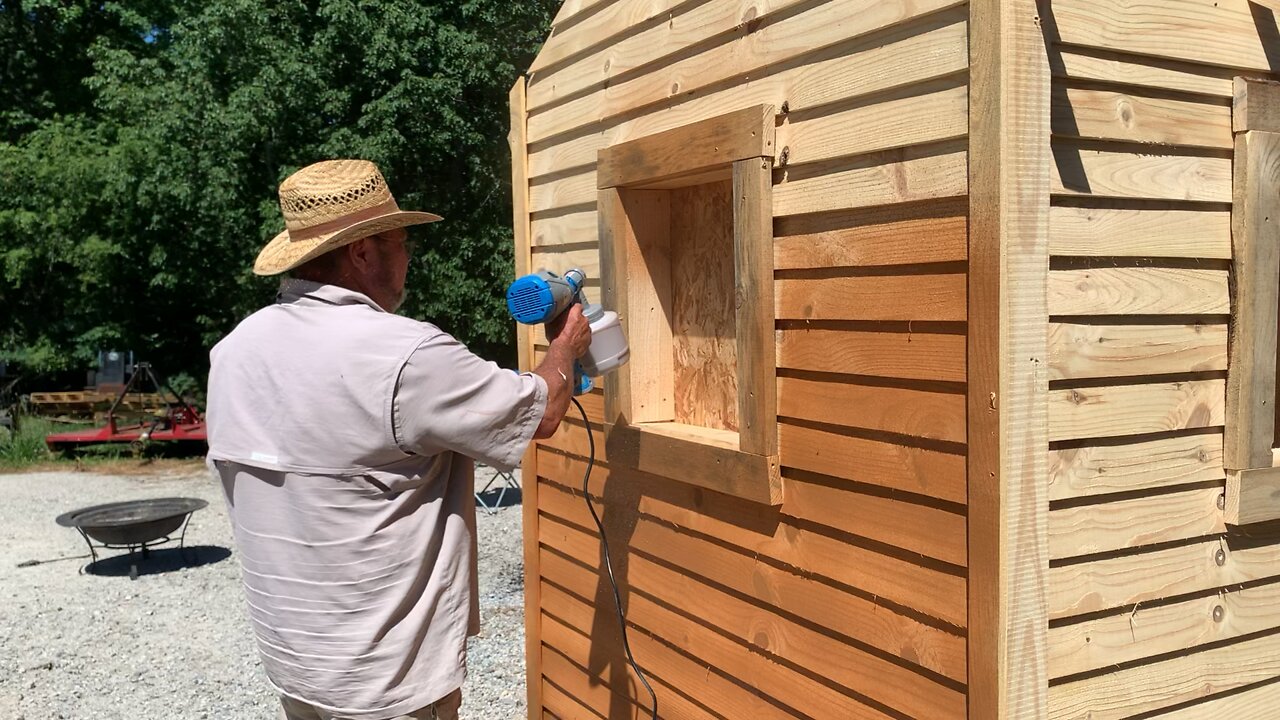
x=26, y=446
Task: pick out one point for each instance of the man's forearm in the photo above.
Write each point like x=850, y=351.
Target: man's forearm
x=557, y=369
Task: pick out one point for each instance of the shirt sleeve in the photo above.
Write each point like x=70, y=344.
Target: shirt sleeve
x=448, y=398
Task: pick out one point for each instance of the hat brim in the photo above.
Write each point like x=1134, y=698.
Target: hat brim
x=283, y=253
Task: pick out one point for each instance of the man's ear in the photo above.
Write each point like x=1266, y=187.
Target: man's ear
x=360, y=253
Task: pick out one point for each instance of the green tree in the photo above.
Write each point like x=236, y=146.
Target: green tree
x=141, y=200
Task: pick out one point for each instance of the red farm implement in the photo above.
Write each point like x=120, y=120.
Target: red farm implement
x=177, y=421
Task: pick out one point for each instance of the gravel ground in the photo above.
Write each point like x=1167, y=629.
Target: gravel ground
x=175, y=643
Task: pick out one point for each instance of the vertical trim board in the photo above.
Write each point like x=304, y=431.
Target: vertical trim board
x=520, y=225
x=1009, y=183
x=753, y=280
x=1255, y=240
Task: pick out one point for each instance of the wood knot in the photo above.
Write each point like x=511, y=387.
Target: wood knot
x=761, y=640
x=1126, y=113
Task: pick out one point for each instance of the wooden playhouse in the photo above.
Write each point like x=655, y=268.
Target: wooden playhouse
x=953, y=334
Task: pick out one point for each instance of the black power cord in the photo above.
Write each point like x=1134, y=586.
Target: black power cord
x=608, y=565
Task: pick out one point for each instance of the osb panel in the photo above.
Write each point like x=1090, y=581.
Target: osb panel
x=703, y=319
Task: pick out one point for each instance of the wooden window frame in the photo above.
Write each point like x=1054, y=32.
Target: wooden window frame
x=633, y=204
x=1249, y=456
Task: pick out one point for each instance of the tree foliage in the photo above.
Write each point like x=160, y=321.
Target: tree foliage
x=142, y=142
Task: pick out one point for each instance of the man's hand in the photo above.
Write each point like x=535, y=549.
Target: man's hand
x=572, y=329
x=570, y=336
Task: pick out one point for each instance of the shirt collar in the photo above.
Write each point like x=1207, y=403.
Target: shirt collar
x=294, y=290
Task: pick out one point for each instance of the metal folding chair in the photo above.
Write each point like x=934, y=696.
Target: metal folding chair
x=508, y=482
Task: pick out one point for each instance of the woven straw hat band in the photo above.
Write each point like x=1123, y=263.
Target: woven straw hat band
x=327, y=196
x=315, y=231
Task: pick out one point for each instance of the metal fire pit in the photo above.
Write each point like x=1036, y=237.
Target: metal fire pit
x=136, y=524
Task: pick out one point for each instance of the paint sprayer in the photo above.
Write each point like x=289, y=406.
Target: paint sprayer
x=540, y=298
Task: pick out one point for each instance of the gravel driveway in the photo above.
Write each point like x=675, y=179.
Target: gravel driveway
x=175, y=644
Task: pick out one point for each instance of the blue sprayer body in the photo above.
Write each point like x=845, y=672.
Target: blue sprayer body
x=540, y=297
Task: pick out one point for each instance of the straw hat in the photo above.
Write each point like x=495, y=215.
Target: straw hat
x=328, y=205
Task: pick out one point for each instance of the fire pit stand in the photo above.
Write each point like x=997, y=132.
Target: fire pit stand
x=136, y=524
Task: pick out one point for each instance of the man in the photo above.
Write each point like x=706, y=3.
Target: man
x=343, y=436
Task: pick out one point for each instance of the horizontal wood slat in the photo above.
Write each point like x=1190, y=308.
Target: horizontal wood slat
x=799, y=588
x=1256, y=703
x=914, y=119
x=748, y=528
x=879, y=63
x=895, y=176
x=1146, y=688
x=1135, y=409
x=1129, y=117
x=903, y=411
x=680, y=676
x=574, y=10
x=578, y=227
x=746, y=53
x=1138, y=291
x=1110, y=174
x=605, y=643
x=616, y=18
x=1140, y=577
x=1152, y=630
x=873, y=297
x=1145, y=465
x=899, y=522
x=735, y=636
x=905, y=354
x=769, y=679
x=1225, y=32
x=558, y=704
x=868, y=176
x=558, y=261
x=870, y=237
x=581, y=688
x=916, y=470
x=1097, y=351
x=1127, y=232
x=678, y=27
x=563, y=192
x=1142, y=72
x=571, y=439
x=1123, y=524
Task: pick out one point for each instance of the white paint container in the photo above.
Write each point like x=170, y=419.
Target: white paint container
x=609, y=349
